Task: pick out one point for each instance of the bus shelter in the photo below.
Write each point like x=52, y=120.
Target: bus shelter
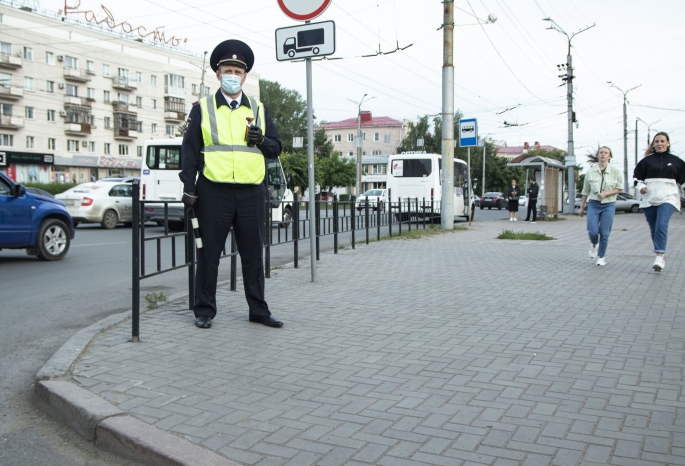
x=549, y=174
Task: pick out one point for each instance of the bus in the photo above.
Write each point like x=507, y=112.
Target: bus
x=417, y=175
x=159, y=181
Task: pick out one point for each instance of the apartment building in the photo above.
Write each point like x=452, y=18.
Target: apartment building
x=78, y=101
x=380, y=135
x=511, y=152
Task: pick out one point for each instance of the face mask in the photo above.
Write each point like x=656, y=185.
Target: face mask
x=230, y=83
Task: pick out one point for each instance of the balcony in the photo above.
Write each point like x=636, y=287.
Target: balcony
x=8, y=61
x=72, y=100
x=77, y=129
x=11, y=122
x=73, y=74
x=123, y=84
x=125, y=134
x=11, y=92
x=173, y=91
x=174, y=116
x=123, y=107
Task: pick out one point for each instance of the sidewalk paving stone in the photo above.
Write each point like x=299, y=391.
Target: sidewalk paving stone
x=454, y=349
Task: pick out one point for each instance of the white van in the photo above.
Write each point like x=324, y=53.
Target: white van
x=417, y=176
x=159, y=181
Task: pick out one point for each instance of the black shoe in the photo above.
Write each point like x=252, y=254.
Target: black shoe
x=268, y=321
x=203, y=322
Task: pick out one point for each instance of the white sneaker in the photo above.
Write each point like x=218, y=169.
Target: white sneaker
x=511, y=219
x=515, y=219
x=659, y=264
x=593, y=251
x=601, y=261
x=533, y=222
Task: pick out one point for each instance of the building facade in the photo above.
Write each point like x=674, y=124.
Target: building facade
x=77, y=102
x=511, y=152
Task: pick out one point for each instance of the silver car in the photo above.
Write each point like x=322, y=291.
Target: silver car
x=105, y=202
x=378, y=199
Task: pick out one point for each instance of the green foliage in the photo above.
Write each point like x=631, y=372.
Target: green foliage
x=432, y=139
x=344, y=197
x=153, y=299
x=52, y=188
x=323, y=147
x=537, y=236
x=335, y=171
x=295, y=165
x=288, y=110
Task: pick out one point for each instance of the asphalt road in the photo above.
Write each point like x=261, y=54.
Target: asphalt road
x=44, y=303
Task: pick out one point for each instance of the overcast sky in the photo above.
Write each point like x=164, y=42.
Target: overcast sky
x=509, y=64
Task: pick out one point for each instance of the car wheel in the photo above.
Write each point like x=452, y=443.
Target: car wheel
x=489, y=208
x=634, y=209
x=109, y=220
x=53, y=240
x=481, y=208
x=287, y=218
x=177, y=225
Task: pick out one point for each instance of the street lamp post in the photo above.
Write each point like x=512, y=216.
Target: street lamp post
x=359, y=143
x=649, y=128
x=482, y=186
x=625, y=132
x=570, y=156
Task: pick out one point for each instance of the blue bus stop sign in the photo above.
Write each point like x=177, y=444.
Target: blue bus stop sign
x=468, y=133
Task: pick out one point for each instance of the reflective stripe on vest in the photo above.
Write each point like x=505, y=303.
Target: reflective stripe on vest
x=228, y=159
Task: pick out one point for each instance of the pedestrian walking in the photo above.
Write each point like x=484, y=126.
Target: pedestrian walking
x=513, y=193
x=657, y=177
x=533, y=191
x=229, y=134
x=602, y=183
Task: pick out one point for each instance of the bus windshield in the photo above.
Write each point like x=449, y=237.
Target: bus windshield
x=275, y=180
x=164, y=157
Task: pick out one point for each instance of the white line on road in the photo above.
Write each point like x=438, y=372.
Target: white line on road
x=98, y=244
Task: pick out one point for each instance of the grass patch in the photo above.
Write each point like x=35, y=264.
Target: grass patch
x=276, y=267
x=153, y=299
x=431, y=230
x=554, y=219
x=537, y=236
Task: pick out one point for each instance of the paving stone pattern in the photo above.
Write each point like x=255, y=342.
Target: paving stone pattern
x=457, y=349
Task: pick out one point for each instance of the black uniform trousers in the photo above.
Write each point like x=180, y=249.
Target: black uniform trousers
x=220, y=206
x=532, y=207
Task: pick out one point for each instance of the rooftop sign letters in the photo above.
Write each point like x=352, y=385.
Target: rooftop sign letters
x=109, y=21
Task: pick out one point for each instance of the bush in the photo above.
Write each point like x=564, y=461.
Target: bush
x=52, y=188
x=344, y=198
x=537, y=236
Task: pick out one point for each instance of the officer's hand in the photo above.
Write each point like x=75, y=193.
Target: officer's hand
x=254, y=135
x=189, y=200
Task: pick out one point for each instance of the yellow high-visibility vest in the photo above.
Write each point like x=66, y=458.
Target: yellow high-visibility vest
x=228, y=159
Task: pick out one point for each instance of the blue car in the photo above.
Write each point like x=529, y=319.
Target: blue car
x=37, y=223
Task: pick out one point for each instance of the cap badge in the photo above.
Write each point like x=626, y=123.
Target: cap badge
x=235, y=56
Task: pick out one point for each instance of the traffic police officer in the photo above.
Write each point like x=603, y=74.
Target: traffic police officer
x=228, y=136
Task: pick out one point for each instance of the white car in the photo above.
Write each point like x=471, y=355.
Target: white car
x=378, y=199
x=522, y=200
x=107, y=202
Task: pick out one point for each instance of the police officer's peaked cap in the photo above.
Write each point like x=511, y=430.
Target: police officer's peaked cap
x=232, y=52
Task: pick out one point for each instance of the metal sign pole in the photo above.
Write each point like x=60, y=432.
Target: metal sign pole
x=310, y=163
x=468, y=172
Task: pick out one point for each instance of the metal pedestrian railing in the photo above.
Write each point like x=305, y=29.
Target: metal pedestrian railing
x=333, y=218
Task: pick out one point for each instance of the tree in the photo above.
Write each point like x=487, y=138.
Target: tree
x=323, y=147
x=288, y=111
x=421, y=130
x=295, y=168
x=335, y=171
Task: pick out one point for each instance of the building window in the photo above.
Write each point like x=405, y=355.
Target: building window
x=108, y=122
x=363, y=152
x=153, y=128
x=194, y=89
x=6, y=109
x=30, y=142
x=139, y=151
x=154, y=104
x=174, y=104
x=376, y=137
x=174, y=85
x=139, y=77
x=169, y=130
x=50, y=87
x=70, y=62
x=121, y=97
x=363, y=136
x=28, y=53
x=106, y=148
x=28, y=83
x=123, y=149
x=379, y=169
x=72, y=90
x=91, y=146
x=105, y=70
x=72, y=145
x=5, y=48
x=51, y=115
x=153, y=80
x=91, y=93
x=338, y=137
x=5, y=79
x=123, y=73
x=139, y=126
x=7, y=140
x=139, y=102
x=350, y=137
x=52, y=143
x=90, y=66
x=28, y=112
x=350, y=153
x=387, y=139
x=49, y=58
x=105, y=96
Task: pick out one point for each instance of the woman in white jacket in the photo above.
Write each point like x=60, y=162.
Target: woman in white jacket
x=657, y=177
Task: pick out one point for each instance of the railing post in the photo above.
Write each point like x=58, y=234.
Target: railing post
x=317, y=219
x=267, y=239
x=190, y=257
x=366, y=218
x=423, y=212
x=296, y=226
x=135, y=261
x=335, y=224
x=353, y=214
x=390, y=217
x=378, y=219
x=234, y=261
x=399, y=214
x=409, y=213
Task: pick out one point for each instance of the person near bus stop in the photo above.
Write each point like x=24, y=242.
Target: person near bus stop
x=228, y=137
x=602, y=183
x=657, y=177
x=513, y=194
x=533, y=191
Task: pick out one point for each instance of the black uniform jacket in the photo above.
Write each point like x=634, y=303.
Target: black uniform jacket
x=192, y=160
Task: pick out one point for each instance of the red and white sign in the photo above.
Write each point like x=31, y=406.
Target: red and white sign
x=303, y=10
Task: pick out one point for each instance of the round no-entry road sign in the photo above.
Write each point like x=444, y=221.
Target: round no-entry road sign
x=303, y=10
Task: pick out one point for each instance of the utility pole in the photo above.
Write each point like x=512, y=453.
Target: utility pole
x=482, y=188
x=625, y=132
x=649, y=128
x=359, y=142
x=202, y=81
x=447, y=203
x=571, y=117
x=636, y=143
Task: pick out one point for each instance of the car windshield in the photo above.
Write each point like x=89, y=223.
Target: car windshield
x=374, y=192
x=493, y=194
